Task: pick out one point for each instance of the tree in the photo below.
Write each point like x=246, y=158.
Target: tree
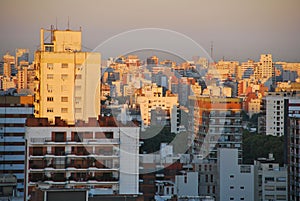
x=256, y=146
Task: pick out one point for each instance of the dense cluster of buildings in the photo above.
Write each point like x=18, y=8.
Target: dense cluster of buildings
x=69, y=126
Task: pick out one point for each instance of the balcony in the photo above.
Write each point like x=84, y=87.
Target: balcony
x=69, y=141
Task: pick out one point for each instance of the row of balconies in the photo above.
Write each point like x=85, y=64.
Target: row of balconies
x=88, y=165
x=90, y=179
x=49, y=141
x=74, y=154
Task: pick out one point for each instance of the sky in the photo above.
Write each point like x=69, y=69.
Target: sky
x=239, y=29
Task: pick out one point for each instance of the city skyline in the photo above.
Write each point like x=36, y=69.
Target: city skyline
x=239, y=30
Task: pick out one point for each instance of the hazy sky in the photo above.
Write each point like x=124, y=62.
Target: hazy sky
x=239, y=29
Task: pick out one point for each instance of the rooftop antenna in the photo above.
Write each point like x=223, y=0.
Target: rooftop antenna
x=68, y=23
x=51, y=30
x=211, y=49
x=55, y=23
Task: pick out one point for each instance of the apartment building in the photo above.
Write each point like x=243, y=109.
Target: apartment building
x=67, y=82
x=13, y=113
x=94, y=155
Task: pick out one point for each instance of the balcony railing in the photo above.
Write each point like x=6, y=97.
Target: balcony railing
x=70, y=141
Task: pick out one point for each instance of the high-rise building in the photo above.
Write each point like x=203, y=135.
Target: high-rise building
x=245, y=70
x=13, y=113
x=22, y=55
x=22, y=75
x=158, y=106
x=271, y=180
x=67, y=82
x=97, y=155
x=294, y=159
x=215, y=123
x=9, y=64
x=265, y=69
x=279, y=106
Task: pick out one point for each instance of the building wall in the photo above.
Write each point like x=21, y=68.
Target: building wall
x=187, y=185
x=152, y=97
x=271, y=180
x=93, y=160
x=68, y=81
x=293, y=159
x=13, y=114
x=215, y=122
x=279, y=106
x=236, y=181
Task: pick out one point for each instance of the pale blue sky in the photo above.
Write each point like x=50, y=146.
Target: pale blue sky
x=240, y=29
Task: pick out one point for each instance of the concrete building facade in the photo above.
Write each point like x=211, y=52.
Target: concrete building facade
x=236, y=181
x=13, y=113
x=67, y=82
x=90, y=156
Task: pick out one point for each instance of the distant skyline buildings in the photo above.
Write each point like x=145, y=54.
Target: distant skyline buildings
x=236, y=33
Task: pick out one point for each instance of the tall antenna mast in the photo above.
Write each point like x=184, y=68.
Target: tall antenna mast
x=56, y=23
x=68, y=23
x=51, y=31
x=211, y=49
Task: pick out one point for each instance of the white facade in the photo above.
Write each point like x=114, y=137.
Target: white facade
x=278, y=107
x=151, y=98
x=236, y=181
x=272, y=180
x=187, y=184
x=116, y=156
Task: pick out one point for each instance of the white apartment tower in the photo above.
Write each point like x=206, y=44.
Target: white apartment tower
x=67, y=82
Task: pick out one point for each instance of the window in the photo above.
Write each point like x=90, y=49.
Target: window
x=64, y=76
x=64, y=65
x=78, y=76
x=231, y=187
x=245, y=169
x=281, y=179
x=50, y=66
x=64, y=99
x=281, y=188
x=64, y=88
x=49, y=88
x=267, y=179
x=77, y=100
x=78, y=110
x=64, y=110
x=50, y=99
x=50, y=109
x=242, y=187
x=231, y=176
x=50, y=76
x=78, y=66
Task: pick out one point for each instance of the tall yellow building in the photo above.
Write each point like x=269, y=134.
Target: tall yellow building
x=67, y=82
x=265, y=69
